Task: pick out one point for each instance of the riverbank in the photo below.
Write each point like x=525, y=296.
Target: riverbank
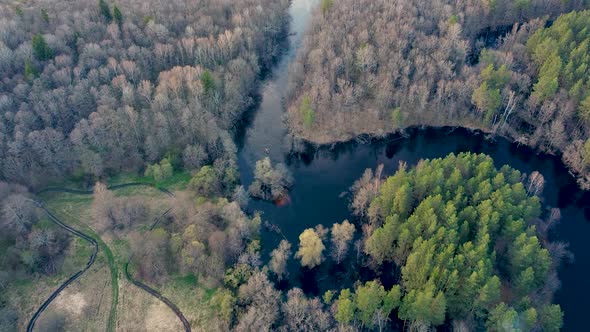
x=327, y=138
x=324, y=173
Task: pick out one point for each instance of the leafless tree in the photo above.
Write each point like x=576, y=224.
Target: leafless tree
x=342, y=235
x=535, y=184
x=279, y=258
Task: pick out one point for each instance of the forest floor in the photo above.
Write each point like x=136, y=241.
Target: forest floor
x=103, y=299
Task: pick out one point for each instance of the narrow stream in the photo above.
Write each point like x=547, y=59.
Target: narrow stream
x=322, y=175
x=266, y=130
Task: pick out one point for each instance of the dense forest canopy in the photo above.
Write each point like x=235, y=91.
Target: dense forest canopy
x=121, y=85
x=463, y=234
x=374, y=67
x=100, y=91
x=90, y=89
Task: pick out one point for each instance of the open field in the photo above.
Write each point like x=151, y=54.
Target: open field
x=103, y=299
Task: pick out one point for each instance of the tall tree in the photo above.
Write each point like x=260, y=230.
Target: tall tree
x=117, y=15
x=310, y=249
x=41, y=50
x=342, y=235
x=279, y=258
x=105, y=11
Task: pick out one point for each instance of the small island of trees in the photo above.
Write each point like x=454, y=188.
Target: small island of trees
x=466, y=239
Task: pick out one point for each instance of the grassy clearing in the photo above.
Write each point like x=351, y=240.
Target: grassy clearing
x=193, y=298
x=67, y=207
x=139, y=311
x=178, y=181
x=28, y=294
x=75, y=210
x=86, y=303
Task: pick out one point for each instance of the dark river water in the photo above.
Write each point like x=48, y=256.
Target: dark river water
x=323, y=174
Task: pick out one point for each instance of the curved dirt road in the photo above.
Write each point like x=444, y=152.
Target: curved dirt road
x=151, y=291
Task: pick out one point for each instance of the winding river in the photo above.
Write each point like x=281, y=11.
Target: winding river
x=322, y=174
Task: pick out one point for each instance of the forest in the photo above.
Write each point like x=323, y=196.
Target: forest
x=121, y=127
x=469, y=242
x=512, y=68
x=127, y=84
x=152, y=88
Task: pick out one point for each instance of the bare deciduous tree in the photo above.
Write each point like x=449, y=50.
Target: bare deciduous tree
x=279, y=258
x=342, y=235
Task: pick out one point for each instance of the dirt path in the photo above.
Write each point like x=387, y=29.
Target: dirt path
x=94, y=242
x=156, y=294
x=77, y=275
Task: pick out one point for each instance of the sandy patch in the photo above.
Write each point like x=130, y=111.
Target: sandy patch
x=72, y=303
x=160, y=318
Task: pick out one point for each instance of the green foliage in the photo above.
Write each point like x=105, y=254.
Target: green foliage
x=30, y=71
x=486, y=57
x=368, y=298
x=117, y=15
x=548, y=78
x=551, y=318
x=310, y=248
x=307, y=112
x=424, y=306
x=104, y=10
x=523, y=4
x=205, y=182
x=160, y=172
x=487, y=96
x=328, y=295
x=44, y=15
x=224, y=302
x=586, y=153
x=397, y=117
x=453, y=19
x=326, y=5
x=345, y=307
x=492, y=5
x=372, y=297
x=496, y=79
x=561, y=53
x=584, y=110
x=148, y=18
x=378, y=246
x=208, y=82
x=529, y=319
x=41, y=50
x=166, y=168
x=442, y=222
x=237, y=275
x=370, y=304
x=19, y=11
x=503, y=318
x=153, y=171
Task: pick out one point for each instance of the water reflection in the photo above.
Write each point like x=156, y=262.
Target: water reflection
x=321, y=175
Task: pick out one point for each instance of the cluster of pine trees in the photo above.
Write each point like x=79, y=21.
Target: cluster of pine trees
x=463, y=234
x=465, y=240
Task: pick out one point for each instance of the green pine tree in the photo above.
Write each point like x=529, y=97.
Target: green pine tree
x=105, y=11
x=117, y=15
x=41, y=50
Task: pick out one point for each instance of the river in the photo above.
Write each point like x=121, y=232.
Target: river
x=322, y=175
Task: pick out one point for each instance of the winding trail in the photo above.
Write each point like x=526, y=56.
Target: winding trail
x=159, y=296
x=94, y=243
x=77, y=275
x=257, y=140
